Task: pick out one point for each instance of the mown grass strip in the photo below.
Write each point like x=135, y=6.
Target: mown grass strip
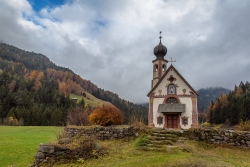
x=18, y=145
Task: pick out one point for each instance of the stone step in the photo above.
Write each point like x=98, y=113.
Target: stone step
x=156, y=138
x=152, y=145
x=163, y=135
x=182, y=138
x=162, y=138
x=162, y=142
x=171, y=146
x=163, y=132
x=180, y=141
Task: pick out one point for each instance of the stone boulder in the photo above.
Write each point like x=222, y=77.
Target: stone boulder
x=45, y=148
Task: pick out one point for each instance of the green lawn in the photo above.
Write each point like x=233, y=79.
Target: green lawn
x=18, y=145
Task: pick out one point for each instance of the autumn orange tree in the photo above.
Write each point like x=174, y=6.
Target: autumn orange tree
x=36, y=77
x=106, y=115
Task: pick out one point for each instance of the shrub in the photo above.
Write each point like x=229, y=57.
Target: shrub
x=142, y=141
x=244, y=125
x=78, y=116
x=137, y=121
x=13, y=121
x=205, y=125
x=87, y=147
x=106, y=115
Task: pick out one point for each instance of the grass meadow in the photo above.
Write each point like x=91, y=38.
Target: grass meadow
x=188, y=154
x=18, y=145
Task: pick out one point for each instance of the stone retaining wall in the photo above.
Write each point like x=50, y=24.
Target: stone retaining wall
x=102, y=133
x=222, y=137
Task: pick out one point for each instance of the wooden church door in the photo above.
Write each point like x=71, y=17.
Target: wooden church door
x=172, y=120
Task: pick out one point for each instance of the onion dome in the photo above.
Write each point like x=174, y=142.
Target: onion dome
x=160, y=50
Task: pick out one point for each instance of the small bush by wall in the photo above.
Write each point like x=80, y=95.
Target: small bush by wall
x=244, y=125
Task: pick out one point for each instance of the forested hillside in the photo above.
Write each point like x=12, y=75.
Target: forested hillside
x=206, y=95
x=35, y=91
x=231, y=108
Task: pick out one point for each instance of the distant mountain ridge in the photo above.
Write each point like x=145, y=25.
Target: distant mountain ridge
x=207, y=95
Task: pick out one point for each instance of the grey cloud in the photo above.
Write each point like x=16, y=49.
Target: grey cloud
x=111, y=42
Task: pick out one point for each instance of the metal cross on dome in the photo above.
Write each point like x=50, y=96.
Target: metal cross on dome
x=160, y=36
x=172, y=61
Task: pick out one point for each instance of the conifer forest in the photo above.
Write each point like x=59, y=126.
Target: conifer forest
x=232, y=108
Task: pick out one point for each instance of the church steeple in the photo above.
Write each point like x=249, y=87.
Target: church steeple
x=160, y=50
x=159, y=64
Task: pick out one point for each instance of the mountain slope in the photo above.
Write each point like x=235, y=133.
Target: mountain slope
x=35, y=70
x=207, y=95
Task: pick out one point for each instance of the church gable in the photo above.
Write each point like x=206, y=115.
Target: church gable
x=172, y=82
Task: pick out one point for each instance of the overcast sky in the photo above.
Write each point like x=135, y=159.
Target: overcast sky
x=111, y=42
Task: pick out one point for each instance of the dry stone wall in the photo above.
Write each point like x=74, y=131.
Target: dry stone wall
x=221, y=137
x=102, y=133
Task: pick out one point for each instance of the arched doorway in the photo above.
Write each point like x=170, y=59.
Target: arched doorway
x=172, y=120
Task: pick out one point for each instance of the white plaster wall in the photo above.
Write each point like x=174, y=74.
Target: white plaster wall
x=156, y=114
x=155, y=82
x=188, y=112
x=181, y=85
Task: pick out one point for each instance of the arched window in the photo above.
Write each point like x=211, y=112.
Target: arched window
x=156, y=68
x=171, y=100
x=171, y=89
x=163, y=67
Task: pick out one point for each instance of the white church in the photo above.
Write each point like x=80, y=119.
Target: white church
x=172, y=100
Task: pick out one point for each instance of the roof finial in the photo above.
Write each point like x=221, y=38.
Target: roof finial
x=160, y=36
x=172, y=61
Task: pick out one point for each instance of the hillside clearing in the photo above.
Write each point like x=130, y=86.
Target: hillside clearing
x=89, y=99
